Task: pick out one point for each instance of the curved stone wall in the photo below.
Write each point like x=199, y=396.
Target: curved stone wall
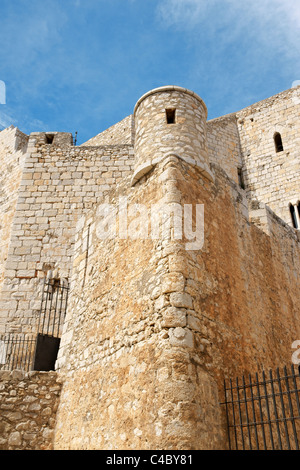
x=155, y=138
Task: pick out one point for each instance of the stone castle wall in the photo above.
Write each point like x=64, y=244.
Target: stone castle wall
x=59, y=184
x=272, y=177
x=119, y=134
x=28, y=405
x=155, y=328
x=155, y=137
x=223, y=145
x=129, y=307
x=13, y=146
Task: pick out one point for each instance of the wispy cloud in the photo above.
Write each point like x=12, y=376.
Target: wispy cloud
x=6, y=120
x=81, y=64
x=183, y=13
x=275, y=22
x=189, y=13
x=249, y=44
x=277, y=16
x=34, y=64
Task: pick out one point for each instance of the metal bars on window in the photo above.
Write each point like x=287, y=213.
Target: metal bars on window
x=20, y=351
x=53, y=307
x=263, y=412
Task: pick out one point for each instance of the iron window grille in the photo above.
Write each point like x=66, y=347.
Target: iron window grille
x=264, y=412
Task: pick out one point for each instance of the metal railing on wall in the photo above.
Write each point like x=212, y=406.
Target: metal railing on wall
x=17, y=352
x=53, y=307
x=263, y=411
x=39, y=350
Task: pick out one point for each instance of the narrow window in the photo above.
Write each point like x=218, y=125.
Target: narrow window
x=170, y=114
x=241, y=178
x=49, y=139
x=293, y=216
x=278, y=142
x=298, y=207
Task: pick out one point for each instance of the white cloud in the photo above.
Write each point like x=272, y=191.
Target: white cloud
x=238, y=49
x=264, y=30
x=189, y=13
x=275, y=20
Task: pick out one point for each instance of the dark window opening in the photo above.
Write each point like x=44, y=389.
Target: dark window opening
x=170, y=114
x=298, y=207
x=293, y=216
x=278, y=142
x=46, y=353
x=49, y=139
x=241, y=178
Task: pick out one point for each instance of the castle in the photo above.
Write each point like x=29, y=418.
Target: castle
x=152, y=323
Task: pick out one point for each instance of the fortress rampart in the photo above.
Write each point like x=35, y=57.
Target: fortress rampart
x=153, y=327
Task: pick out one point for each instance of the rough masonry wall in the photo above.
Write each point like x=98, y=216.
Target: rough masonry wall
x=243, y=283
x=12, y=156
x=128, y=358
x=119, y=134
x=153, y=329
x=272, y=177
x=28, y=405
x=156, y=138
x=224, y=145
x=59, y=184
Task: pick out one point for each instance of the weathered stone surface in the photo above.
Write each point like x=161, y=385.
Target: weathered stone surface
x=152, y=327
x=29, y=423
x=202, y=329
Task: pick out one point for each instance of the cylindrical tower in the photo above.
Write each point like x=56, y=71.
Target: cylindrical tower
x=170, y=120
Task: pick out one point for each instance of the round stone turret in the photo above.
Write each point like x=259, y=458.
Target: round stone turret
x=170, y=120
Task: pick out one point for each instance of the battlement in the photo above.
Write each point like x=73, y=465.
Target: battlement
x=50, y=138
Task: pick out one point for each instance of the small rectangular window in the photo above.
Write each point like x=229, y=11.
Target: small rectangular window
x=278, y=142
x=170, y=114
x=49, y=139
x=241, y=178
x=293, y=216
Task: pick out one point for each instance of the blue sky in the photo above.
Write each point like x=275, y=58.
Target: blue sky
x=81, y=65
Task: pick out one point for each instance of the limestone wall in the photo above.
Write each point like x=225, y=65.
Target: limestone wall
x=224, y=145
x=133, y=373
x=152, y=329
x=12, y=156
x=243, y=283
x=156, y=137
x=28, y=404
x=245, y=140
x=119, y=134
x=270, y=176
x=59, y=184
